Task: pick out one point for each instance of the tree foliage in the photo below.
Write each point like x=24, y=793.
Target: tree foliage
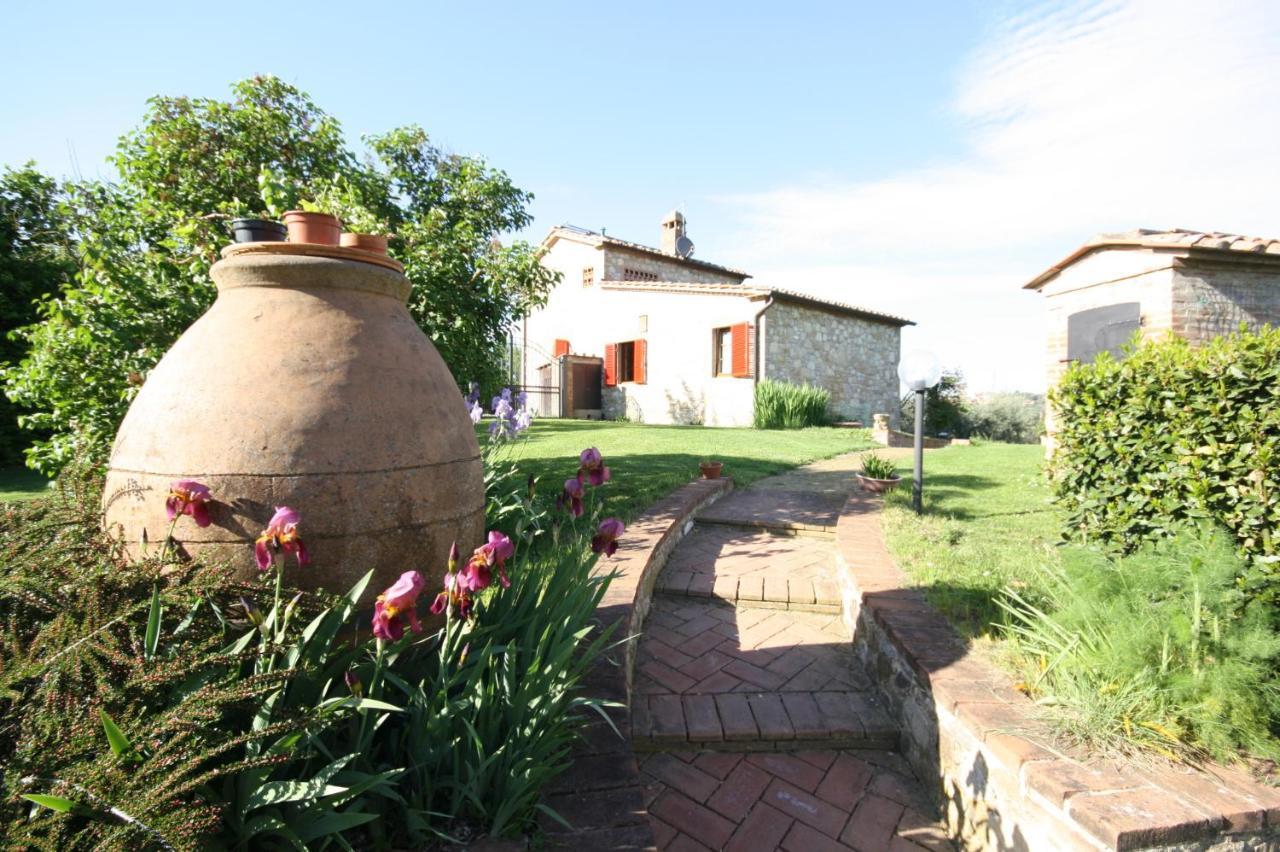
x=1014, y=418
x=944, y=406
x=34, y=260
x=146, y=241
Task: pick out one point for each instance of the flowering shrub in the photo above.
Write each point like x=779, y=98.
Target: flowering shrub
x=231, y=724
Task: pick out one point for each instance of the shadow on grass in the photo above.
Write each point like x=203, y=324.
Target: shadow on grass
x=972, y=610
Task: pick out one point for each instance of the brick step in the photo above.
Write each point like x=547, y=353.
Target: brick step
x=772, y=509
x=800, y=595
x=760, y=721
x=722, y=677
x=777, y=528
x=752, y=568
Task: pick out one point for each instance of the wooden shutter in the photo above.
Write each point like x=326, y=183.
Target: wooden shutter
x=610, y=365
x=640, y=362
x=741, y=334
x=562, y=347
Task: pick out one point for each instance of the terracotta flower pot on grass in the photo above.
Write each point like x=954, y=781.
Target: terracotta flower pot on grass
x=878, y=486
x=316, y=228
x=376, y=243
x=711, y=470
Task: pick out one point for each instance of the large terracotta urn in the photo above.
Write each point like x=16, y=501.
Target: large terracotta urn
x=306, y=384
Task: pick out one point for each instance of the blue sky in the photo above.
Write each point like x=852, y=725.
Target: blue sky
x=924, y=158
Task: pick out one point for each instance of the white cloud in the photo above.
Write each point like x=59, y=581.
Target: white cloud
x=1078, y=119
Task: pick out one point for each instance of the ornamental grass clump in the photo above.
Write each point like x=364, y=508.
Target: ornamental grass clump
x=878, y=467
x=1160, y=650
x=161, y=704
x=781, y=405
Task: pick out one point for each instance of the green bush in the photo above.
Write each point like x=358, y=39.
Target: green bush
x=1012, y=418
x=945, y=408
x=782, y=405
x=1169, y=434
x=1159, y=649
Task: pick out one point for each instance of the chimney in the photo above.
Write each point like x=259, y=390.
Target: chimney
x=672, y=230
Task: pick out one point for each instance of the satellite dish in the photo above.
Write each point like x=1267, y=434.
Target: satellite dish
x=684, y=246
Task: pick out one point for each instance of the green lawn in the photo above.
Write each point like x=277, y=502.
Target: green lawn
x=647, y=462
x=19, y=483
x=988, y=522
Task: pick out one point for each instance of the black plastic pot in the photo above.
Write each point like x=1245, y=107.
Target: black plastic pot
x=257, y=231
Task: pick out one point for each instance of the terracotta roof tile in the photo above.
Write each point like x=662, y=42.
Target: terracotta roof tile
x=753, y=291
x=1172, y=239
x=573, y=232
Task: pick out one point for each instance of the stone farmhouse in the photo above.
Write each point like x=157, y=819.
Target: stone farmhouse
x=1192, y=284
x=656, y=336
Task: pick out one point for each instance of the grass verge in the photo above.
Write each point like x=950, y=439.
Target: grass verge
x=20, y=483
x=988, y=523
x=650, y=461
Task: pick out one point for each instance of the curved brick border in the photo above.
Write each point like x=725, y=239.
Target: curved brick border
x=601, y=793
x=1002, y=785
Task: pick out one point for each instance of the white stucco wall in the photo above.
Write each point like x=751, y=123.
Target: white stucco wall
x=680, y=387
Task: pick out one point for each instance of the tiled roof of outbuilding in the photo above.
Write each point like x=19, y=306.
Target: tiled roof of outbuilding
x=752, y=291
x=1173, y=239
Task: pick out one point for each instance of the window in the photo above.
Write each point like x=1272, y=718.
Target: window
x=722, y=360
x=629, y=274
x=1104, y=329
x=588, y=276
x=733, y=351
x=627, y=361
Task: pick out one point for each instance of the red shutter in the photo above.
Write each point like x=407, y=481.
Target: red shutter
x=610, y=365
x=562, y=347
x=640, y=362
x=741, y=350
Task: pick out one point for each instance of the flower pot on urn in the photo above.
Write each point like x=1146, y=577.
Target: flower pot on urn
x=376, y=243
x=257, y=231
x=316, y=228
x=307, y=384
x=711, y=469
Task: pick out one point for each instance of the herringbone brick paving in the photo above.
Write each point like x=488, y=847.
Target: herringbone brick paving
x=756, y=726
x=802, y=801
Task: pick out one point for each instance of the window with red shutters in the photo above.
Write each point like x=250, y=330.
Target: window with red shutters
x=610, y=365
x=626, y=361
x=640, y=362
x=741, y=359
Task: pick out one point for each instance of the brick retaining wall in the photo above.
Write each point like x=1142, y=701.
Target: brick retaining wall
x=992, y=763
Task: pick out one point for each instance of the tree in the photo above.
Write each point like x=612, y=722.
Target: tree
x=35, y=258
x=147, y=241
x=944, y=407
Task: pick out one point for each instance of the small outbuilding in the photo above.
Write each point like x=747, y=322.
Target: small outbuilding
x=681, y=340
x=1193, y=284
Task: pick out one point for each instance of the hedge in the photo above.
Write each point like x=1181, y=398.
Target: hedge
x=1171, y=433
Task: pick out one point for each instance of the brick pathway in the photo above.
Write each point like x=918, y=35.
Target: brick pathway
x=755, y=725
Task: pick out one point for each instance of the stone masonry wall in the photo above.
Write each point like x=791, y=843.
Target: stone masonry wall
x=617, y=260
x=1214, y=299
x=855, y=359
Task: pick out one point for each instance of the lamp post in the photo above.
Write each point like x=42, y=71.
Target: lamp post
x=919, y=371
